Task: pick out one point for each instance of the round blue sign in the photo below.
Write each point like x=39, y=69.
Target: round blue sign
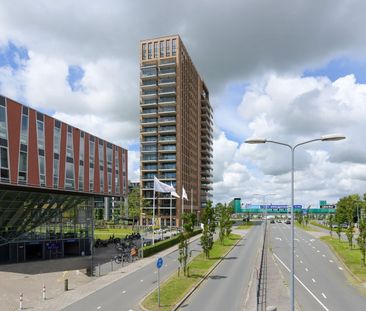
x=159, y=263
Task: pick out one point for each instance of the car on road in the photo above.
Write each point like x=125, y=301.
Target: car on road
x=272, y=221
x=288, y=221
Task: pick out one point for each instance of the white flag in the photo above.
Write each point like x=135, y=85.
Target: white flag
x=184, y=194
x=161, y=187
x=174, y=193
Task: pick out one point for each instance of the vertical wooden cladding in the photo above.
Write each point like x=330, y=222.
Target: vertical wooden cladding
x=62, y=155
x=86, y=162
x=76, y=146
x=14, y=112
x=33, y=167
x=49, y=128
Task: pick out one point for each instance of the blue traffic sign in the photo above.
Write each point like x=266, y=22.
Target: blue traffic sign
x=159, y=263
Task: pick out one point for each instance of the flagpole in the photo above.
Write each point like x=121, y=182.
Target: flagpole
x=171, y=207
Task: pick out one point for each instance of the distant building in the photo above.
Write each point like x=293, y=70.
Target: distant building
x=52, y=174
x=132, y=185
x=175, y=127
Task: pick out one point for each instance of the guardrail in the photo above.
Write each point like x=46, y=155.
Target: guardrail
x=262, y=275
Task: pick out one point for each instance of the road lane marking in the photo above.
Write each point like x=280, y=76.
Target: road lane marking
x=313, y=247
x=141, y=281
x=324, y=296
x=124, y=292
x=306, y=269
x=278, y=239
x=99, y=307
x=323, y=255
x=300, y=261
x=308, y=290
x=312, y=240
x=297, y=256
x=340, y=268
x=330, y=260
x=318, y=251
x=313, y=280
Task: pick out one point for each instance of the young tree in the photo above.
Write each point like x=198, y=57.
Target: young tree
x=223, y=214
x=208, y=220
x=135, y=205
x=331, y=224
x=299, y=217
x=361, y=240
x=189, y=220
x=228, y=224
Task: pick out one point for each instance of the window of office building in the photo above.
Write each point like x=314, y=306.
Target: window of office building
x=41, y=147
x=161, y=48
x=81, y=162
x=167, y=48
x=109, y=166
x=174, y=47
x=69, y=176
x=101, y=164
x=23, y=155
x=144, y=51
x=4, y=165
x=116, y=161
x=56, y=152
x=155, y=50
x=149, y=50
x=91, y=163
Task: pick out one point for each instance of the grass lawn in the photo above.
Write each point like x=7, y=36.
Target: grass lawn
x=245, y=226
x=303, y=227
x=351, y=258
x=174, y=289
x=106, y=233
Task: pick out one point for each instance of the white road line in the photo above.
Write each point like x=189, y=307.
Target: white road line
x=330, y=260
x=318, y=251
x=308, y=290
x=340, y=268
x=297, y=256
x=300, y=261
x=124, y=292
x=313, y=247
x=323, y=255
x=313, y=280
x=306, y=269
x=99, y=307
x=324, y=296
x=141, y=281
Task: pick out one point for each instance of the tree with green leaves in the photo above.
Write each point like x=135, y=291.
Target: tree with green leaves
x=209, y=226
x=189, y=219
x=299, y=217
x=135, y=205
x=361, y=240
x=223, y=213
x=331, y=222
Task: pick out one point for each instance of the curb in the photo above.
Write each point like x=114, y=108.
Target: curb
x=342, y=262
x=190, y=292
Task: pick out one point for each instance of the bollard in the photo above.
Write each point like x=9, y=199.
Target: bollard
x=44, y=292
x=21, y=301
x=66, y=285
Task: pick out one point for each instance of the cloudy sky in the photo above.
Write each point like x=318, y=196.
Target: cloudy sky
x=288, y=70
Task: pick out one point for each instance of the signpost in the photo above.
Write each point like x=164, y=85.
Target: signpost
x=159, y=264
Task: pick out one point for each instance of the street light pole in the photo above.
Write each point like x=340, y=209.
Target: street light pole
x=331, y=137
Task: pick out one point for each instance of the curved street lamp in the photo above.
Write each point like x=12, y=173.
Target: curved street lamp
x=329, y=137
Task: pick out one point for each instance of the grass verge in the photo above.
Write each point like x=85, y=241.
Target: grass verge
x=350, y=257
x=245, y=226
x=303, y=227
x=106, y=233
x=174, y=289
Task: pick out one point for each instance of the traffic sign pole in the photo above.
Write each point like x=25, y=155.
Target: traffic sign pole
x=159, y=264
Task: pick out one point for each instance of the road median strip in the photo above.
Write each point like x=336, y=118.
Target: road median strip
x=175, y=290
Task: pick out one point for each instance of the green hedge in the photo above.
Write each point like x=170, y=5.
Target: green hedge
x=162, y=245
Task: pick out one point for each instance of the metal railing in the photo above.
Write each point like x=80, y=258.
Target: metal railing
x=262, y=275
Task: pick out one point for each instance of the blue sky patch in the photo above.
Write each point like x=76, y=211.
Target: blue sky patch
x=76, y=73
x=13, y=56
x=341, y=67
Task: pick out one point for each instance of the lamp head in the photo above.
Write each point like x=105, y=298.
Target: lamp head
x=333, y=137
x=256, y=141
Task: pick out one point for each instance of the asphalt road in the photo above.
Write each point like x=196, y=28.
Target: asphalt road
x=226, y=288
x=321, y=283
x=126, y=293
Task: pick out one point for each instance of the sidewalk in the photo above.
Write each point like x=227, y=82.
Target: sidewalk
x=57, y=299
